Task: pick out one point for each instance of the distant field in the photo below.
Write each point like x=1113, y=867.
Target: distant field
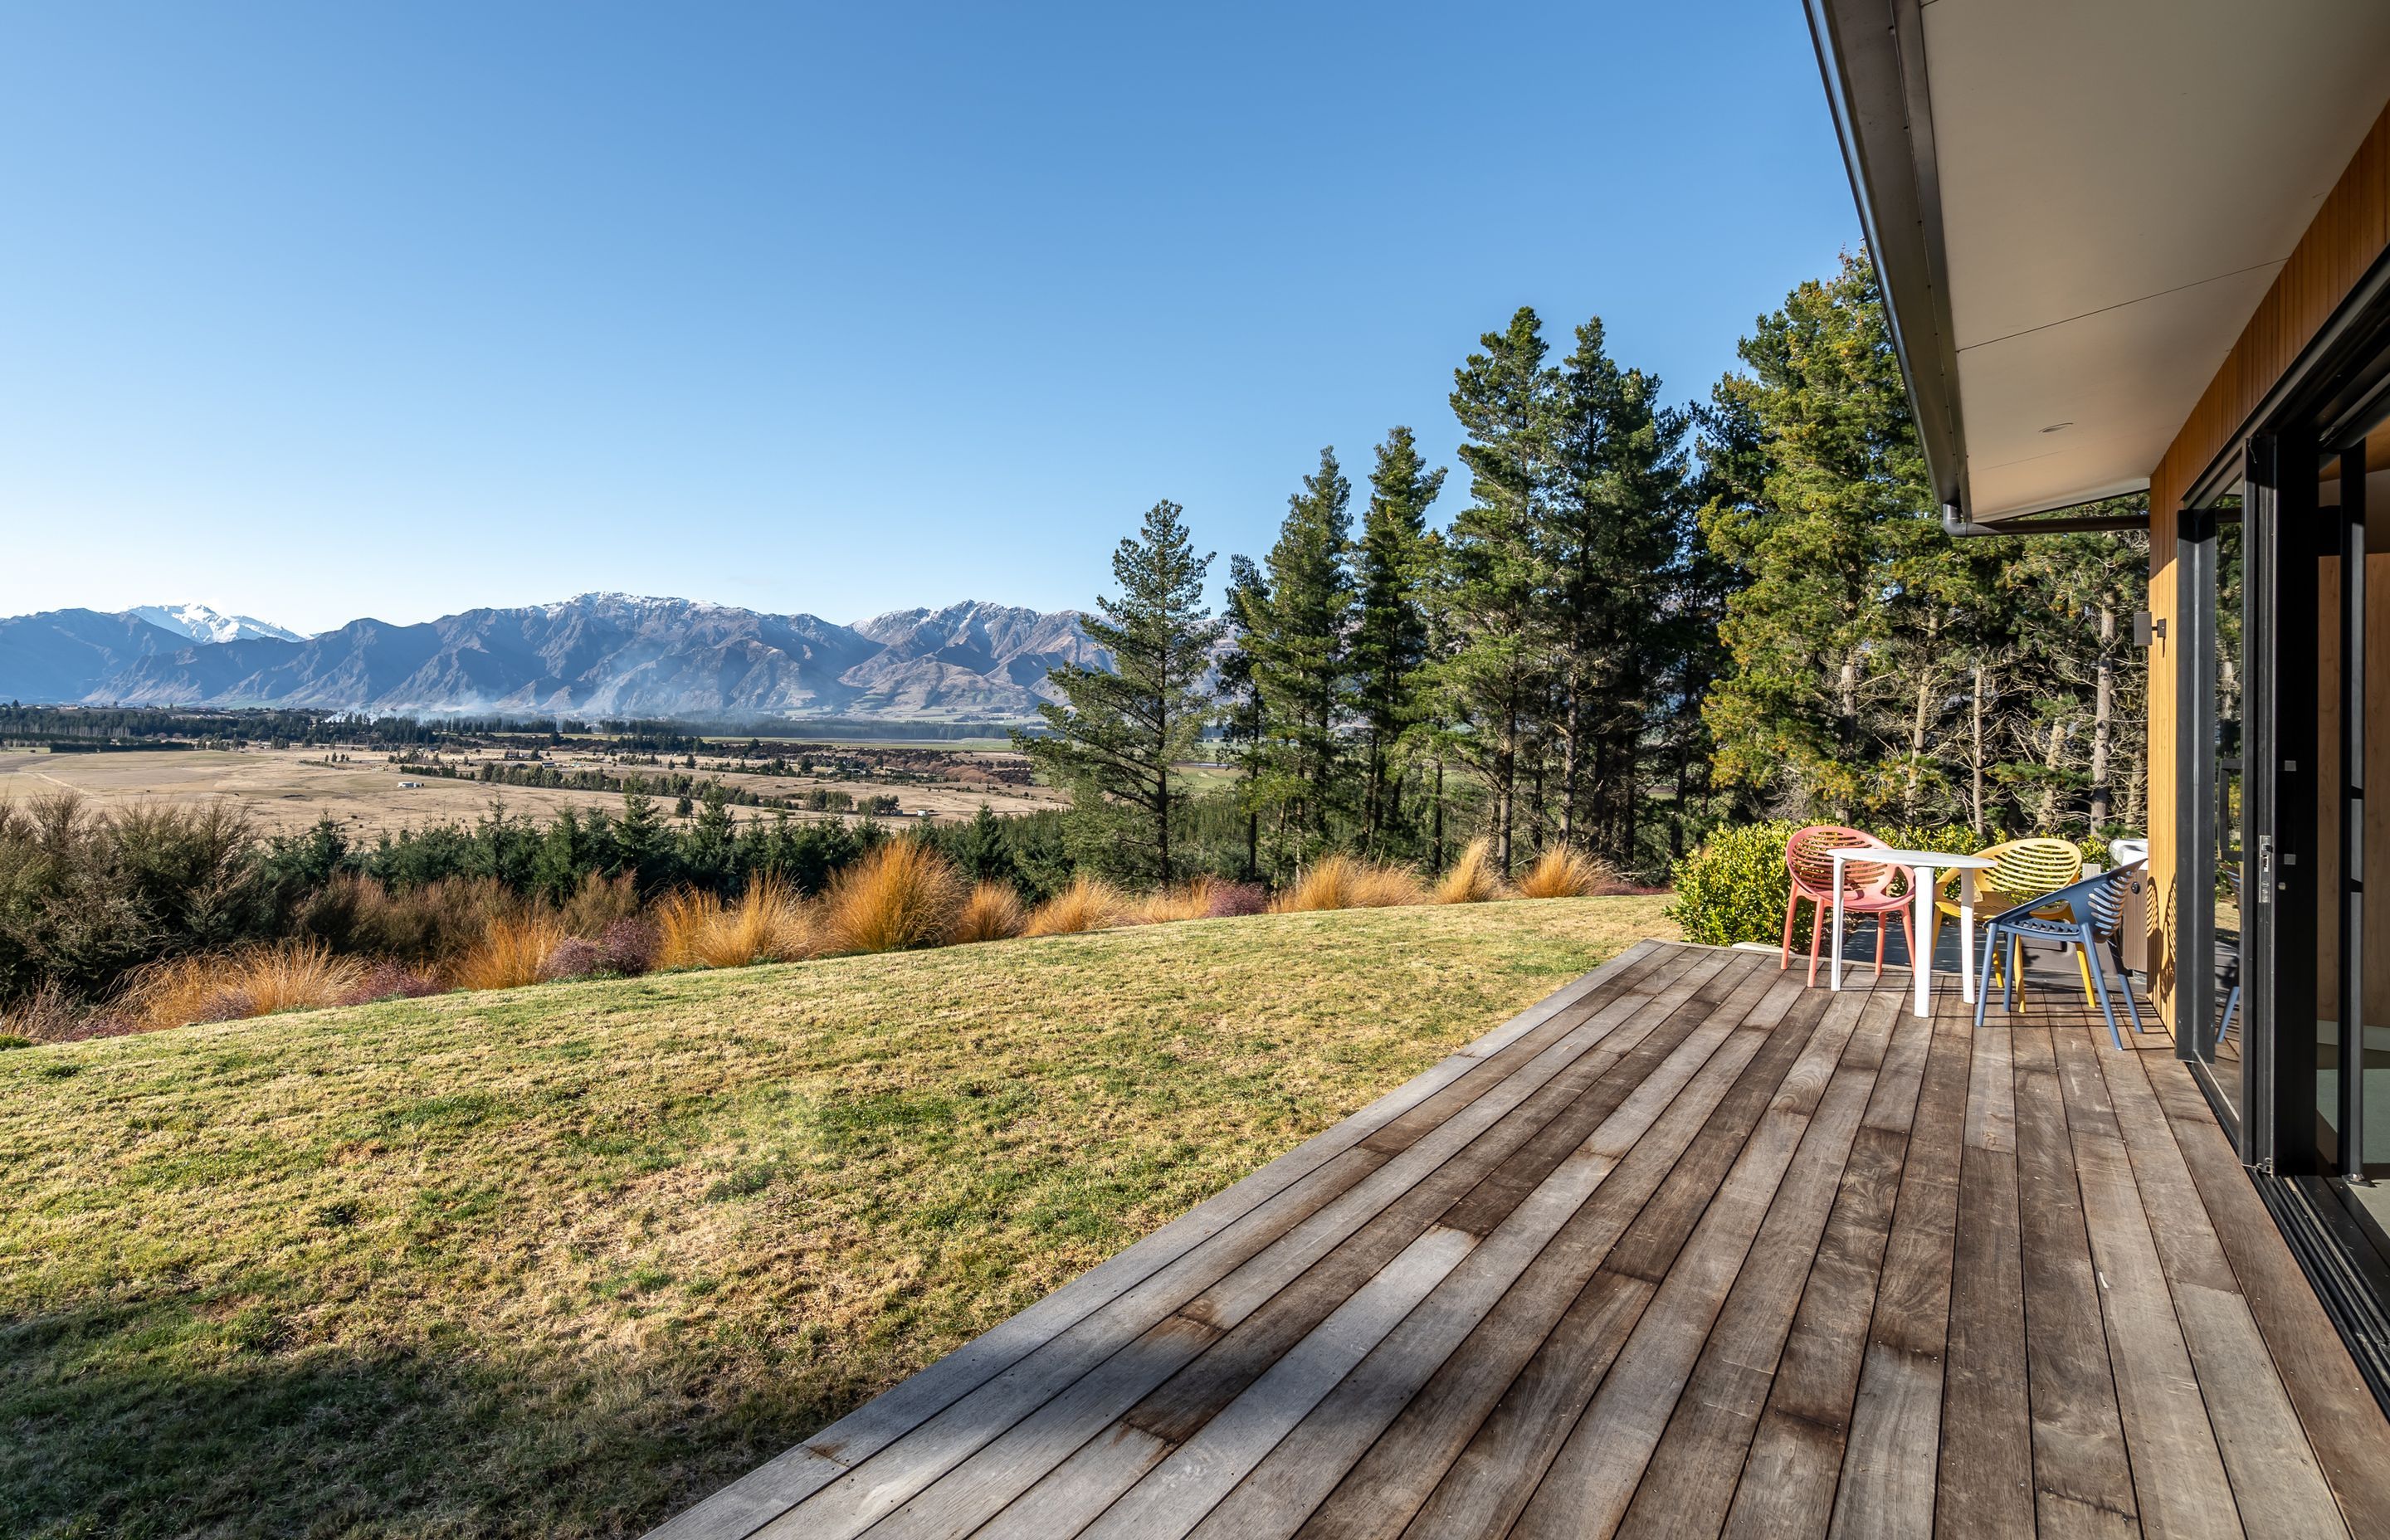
x=556, y=1261
x=284, y=792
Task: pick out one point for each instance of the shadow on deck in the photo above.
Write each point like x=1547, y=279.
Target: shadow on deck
x=1686, y=1249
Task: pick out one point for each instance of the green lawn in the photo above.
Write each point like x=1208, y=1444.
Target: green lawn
x=558, y=1261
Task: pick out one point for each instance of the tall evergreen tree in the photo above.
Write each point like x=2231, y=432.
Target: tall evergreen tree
x=1119, y=734
x=1612, y=530
x=1243, y=724
x=1390, y=636
x=1492, y=589
x=1814, y=702
x=1296, y=627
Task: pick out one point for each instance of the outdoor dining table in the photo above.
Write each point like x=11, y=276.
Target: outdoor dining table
x=1922, y=865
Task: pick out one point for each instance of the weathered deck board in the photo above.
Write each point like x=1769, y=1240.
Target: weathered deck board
x=1684, y=1249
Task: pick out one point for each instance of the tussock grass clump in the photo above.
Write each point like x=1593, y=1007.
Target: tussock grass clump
x=228, y=986
x=1166, y=904
x=680, y=920
x=769, y=923
x=512, y=952
x=1342, y=882
x=994, y=912
x=1472, y=879
x=1088, y=904
x=50, y=1015
x=441, y=919
x=598, y=903
x=903, y=894
x=1562, y=872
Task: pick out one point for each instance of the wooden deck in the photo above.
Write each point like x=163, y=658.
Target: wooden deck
x=1686, y=1250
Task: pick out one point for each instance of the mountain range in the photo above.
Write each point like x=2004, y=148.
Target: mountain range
x=595, y=655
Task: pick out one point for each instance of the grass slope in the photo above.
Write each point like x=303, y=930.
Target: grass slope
x=558, y=1261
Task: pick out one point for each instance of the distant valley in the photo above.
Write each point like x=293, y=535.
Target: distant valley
x=595, y=655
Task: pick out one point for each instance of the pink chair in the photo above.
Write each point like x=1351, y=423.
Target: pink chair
x=1866, y=888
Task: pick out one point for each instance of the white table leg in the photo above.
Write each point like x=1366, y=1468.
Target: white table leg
x=1967, y=937
x=1921, y=968
x=1834, y=973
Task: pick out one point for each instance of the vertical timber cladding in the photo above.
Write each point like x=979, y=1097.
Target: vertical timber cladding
x=2349, y=234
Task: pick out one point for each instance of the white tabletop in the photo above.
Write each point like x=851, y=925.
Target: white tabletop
x=1941, y=859
x=1921, y=862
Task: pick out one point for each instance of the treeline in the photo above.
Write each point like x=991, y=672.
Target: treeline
x=88, y=897
x=1642, y=620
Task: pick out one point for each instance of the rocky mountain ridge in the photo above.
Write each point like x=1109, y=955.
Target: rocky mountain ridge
x=593, y=655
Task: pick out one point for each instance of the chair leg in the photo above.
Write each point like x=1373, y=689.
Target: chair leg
x=2012, y=959
x=2231, y=1004
x=2083, y=966
x=1881, y=926
x=1984, y=987
x=2125, y=987
x=2091, y=965
x=1816, y=936
x=1792, y=908
x=1908, y=935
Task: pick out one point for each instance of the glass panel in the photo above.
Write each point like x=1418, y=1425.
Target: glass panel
x=2225, y=1021
x=2324, y=631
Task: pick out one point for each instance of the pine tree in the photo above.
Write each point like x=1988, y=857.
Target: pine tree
x=645, y=845
x=1612, y=530
x=1812, y=638
x=982, y=852
x=1119, y=734
x=707, y=847
x=1295, y=628
x=1390, y=630
x=557, y=866
x=1491, y=591
x=1242, y=724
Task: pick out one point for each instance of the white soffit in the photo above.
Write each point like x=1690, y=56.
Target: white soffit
x=2120, y=181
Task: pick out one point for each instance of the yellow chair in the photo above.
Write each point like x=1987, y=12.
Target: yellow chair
x=2020, y=869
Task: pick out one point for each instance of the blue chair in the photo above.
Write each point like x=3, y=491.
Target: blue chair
x=2080, y=915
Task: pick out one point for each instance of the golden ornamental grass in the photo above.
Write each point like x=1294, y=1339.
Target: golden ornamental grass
x=768, y=923
x=1472, y=879
x=682, y=918
x=903, y=894
x=1562, y=872
x=1166, y=904
x=1088, y=904
x=1342, y=882
x=993, y=912
x=512, y=952
x=228, y=986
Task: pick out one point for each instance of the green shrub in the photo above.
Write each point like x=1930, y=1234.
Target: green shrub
x=1734, y=888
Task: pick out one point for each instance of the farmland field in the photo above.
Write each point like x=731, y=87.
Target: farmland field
x=286, y=789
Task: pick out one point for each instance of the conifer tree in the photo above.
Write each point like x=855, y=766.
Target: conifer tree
x=1117, y=736
x=1612, y=530
x=1493, y=585
x=1295, y=629
x=1390, y=629
x=1241, y=720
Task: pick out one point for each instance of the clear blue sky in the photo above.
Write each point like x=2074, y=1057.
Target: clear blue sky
x=321, y=311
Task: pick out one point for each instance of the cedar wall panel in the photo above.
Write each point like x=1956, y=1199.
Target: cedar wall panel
x=2349, y=231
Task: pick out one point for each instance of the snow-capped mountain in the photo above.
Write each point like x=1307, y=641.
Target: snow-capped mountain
x=204, y=623
x=598, y=654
